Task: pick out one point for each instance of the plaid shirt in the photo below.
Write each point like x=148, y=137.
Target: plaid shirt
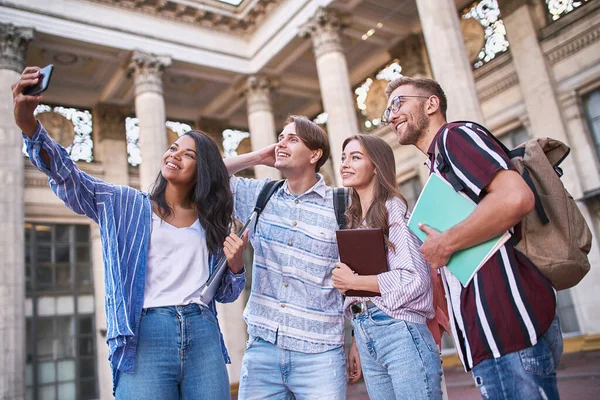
x=293, y=302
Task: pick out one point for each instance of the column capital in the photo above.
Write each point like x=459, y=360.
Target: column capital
x=258, y=89
x=147, y=71
x=14, y=41
x=324, y=29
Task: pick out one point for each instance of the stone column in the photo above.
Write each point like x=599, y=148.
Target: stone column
x=147, y=72
x=536, y=82
x=111, y=142
x=13, y=50
x=448, y=57
x=336, y=92
x=261, y=121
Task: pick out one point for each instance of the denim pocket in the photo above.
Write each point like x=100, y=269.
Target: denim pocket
x=537, y=359
x=209, y=315
x=425, y=336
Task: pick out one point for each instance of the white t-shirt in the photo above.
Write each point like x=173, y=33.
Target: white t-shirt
x=176, y=265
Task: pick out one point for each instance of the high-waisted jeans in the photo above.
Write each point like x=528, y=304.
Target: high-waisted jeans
x=178, y=357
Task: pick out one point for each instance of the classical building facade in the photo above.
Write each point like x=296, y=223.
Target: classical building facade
x=131, y=75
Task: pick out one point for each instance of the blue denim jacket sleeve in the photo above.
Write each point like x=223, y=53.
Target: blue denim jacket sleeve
x=78, y=190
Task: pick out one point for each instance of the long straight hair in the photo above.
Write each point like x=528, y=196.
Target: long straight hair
x=210, y=192
x=382, y=156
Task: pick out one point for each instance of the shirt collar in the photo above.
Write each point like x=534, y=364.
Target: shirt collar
x=319, y=188
x=431, y=150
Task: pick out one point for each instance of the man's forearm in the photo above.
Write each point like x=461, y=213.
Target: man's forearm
x=241, y=162
x=493, y=216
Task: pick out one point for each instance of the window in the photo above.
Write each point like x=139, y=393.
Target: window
x=559, y=8
x=515, y=137
x=489, y=36
x=591, y=103
x=60, y=332
x=71, y=127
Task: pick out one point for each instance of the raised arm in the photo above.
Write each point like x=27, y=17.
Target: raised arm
x=79, y=191
x=265, y=156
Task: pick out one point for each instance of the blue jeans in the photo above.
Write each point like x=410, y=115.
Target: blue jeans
x=399, y=359
x=178, y=357
x=269, y=372
x=526, y=374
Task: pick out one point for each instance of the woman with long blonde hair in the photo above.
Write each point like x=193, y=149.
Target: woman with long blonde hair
x=399, y=357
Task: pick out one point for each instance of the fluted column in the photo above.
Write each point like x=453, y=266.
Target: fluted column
x=324, y=29
x=147, y=72
x=536, y=82
x=261, y=121
x=13, y=50
x=448, y=58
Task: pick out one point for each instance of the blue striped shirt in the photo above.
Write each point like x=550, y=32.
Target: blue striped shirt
x=124, y=216
x=293, y=302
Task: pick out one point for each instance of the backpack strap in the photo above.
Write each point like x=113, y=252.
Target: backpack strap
x=444, y=166
x=263, y=197
x=340, y=203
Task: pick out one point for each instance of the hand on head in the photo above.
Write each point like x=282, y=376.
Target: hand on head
x=24, y=106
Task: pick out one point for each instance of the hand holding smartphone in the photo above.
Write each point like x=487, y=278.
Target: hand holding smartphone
x=43, y=82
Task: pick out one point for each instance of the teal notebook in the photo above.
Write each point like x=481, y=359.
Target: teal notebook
x=441, y=207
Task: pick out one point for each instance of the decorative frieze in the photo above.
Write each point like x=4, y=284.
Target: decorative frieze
x=501, y=85
x=14, y=41
x=232, y=19
x=574, y=45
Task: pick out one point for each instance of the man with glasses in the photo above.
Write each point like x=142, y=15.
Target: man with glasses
x=503, y=322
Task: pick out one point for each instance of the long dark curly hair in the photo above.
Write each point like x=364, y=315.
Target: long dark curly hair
x=211, y=192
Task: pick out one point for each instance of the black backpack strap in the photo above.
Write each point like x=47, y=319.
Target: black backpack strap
x=445, y=167
x=340, y=203
x=263, y=197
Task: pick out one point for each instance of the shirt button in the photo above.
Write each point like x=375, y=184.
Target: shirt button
x=294, y=223
x=283, y=306
x=286, y=284
x=297, y=201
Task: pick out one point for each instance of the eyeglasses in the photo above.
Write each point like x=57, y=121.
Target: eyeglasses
x=395, y=107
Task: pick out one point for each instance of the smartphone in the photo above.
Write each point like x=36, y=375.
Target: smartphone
x=43, y=82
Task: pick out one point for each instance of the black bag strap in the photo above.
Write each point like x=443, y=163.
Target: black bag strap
x=263, y=197
x=340, y=203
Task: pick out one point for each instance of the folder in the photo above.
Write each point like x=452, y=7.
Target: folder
x=441, y=207
x=363, y=250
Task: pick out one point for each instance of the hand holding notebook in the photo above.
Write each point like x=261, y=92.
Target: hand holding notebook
x=363, y=250
x=441, y=207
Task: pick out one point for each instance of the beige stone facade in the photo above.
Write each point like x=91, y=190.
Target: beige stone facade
x=215, y=66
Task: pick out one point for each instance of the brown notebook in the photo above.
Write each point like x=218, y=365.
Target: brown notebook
x=363, y=250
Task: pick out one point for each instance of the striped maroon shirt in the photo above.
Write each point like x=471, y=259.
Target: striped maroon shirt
x=508, y=305
x=406, y=291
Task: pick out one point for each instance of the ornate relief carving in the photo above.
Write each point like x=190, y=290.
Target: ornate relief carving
x=244, y=21
x=573, y=46
x=147, y=71
x=14, y=41
x=324, y=29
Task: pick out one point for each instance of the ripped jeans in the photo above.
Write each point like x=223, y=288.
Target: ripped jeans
x=525, y=374
x=269, y=372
